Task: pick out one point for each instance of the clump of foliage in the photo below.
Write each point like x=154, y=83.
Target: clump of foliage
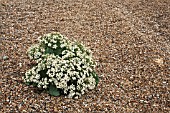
x=62, y=67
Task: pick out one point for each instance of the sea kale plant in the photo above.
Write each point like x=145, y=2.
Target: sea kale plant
x=62, y=67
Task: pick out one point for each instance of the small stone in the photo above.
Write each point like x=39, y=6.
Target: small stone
x=20, y=64
x=159, y=61
x=155, y=105
x=164, y=82
x=5, y=57
x=141, y=101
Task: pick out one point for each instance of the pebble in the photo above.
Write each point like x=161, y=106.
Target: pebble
x=136, y=44
x=5, y=57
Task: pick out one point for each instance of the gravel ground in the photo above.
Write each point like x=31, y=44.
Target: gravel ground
x=130, y=40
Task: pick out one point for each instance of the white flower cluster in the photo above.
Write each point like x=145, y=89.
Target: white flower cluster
x=35, y=51
x=68, y=66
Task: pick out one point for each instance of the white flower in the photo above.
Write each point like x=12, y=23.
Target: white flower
x=78, y=67
x=37, y=55
x=45, y=86
x=50, y=74
x=35, y=81
x=92, y=83
x=53, y=69
x=46, y=42
x=65, y=90
x=49, y=44
x=37, y=76
x=61, y=84
x=54, y=41
x=74, y=78
x=31, y=78
x=80, y=81
x=45, y=81
x=72, y=87
x=71, y=94
x=48, y=66
x=64, y=52
x=55, y=46
x=62, y=45
x=39, y=86
x=82, y=92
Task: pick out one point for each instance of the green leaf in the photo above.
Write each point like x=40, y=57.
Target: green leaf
x=48, y=50
x=43, y=73
x=56, y=51
x=54, y=91
x=31, y=83
x=96, y=77
x=34, y=84
x=28, y=83
x=80, y=46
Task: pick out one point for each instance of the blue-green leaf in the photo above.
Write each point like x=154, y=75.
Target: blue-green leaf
x=54, y=91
